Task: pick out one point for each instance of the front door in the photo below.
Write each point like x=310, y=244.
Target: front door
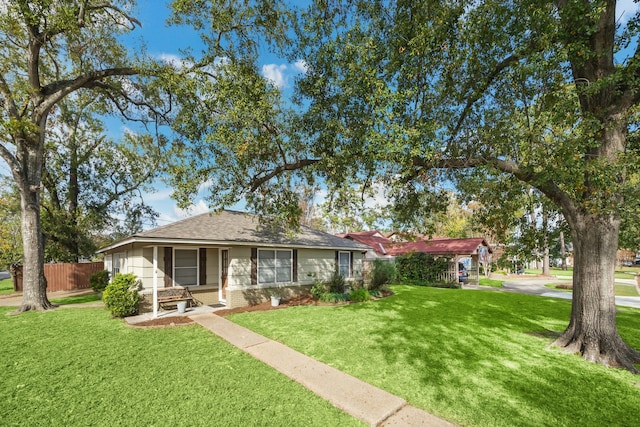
x=224, y=272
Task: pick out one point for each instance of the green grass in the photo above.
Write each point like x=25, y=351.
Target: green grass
x=77, y=299
x=620, y=289
x=621, y=272
x=80, y=367
x=6, y=286
x=496, y=283
x=474, y=358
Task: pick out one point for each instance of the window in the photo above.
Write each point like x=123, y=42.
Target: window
x=274, y=266
x=344, y=264
x=115, y=268
x=185, y=268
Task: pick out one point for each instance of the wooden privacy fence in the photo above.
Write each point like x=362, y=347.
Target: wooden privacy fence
x=62, y=277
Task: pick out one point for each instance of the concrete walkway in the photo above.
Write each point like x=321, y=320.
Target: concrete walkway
x=363, y=401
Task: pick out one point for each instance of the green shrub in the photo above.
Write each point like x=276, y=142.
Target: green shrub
x=359, y=295
x=382, y=273
x=318, y=289
x=333, y=297
x=419, y=266
x=121, y=295
x=99, y=280
x=336, y=283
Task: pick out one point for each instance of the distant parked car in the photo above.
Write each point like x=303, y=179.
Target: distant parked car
x=4, y=275
x=463, y=274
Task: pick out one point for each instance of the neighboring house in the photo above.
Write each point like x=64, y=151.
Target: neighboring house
x=376, y=241
x=229, y=258
x=476, y=250
x=472, y=252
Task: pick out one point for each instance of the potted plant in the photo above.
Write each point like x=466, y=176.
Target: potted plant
x=276, y=295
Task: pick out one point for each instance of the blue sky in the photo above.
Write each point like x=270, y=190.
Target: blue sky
x=165, y=42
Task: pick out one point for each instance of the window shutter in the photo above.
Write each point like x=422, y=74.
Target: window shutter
x=203, y=267
x=337, y=261
x=295, y=266
x=168, y=266
x=254, y=266
x=351, y=264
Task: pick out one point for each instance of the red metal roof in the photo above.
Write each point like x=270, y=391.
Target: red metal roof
x=375, y=239
x=437, y=246
x=440, y=246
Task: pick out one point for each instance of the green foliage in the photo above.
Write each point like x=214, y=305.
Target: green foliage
x=121, y=296
x=382, y=273
x=333, y=297
x=99, y=280
x=336, y=284
x=420, y=267
x=10, y=230
x=318, y=288
x=77, y=205
x=359, y=295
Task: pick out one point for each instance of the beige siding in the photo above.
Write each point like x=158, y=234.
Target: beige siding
x=315, y=264
x=240, y=266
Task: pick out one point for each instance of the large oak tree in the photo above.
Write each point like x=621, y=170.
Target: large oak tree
x=414, y=94
x=48, y=51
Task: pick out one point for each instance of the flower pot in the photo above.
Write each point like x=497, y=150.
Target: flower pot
x=182, y=306
x=275, y=301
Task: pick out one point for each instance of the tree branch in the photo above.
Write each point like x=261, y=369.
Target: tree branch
x=548, y=188
x=477, y=94
x=54, y=92
x=257, y=182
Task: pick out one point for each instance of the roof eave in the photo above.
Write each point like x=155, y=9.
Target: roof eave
x=201, y=242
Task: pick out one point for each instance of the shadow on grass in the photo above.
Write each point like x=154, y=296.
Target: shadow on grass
x=482, y=358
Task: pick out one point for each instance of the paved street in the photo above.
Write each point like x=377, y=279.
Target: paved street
x=536, y=287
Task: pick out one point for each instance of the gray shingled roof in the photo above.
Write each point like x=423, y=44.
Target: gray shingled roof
x=240, y=228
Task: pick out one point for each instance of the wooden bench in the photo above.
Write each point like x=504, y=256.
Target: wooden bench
x=171, y=296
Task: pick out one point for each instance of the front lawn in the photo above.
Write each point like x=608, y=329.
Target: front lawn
x=474, y=358
x=78, y=367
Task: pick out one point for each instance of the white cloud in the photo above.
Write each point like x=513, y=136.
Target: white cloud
x=275, y=73
x=301, y=66
x=197, y=209
x=174, y=60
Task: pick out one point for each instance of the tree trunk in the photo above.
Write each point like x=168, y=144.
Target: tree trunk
x=563, y=252
x=34, y=284
x=546, y=271
x=592, y=330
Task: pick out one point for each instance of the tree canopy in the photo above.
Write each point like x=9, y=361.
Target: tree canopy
x=415, y=95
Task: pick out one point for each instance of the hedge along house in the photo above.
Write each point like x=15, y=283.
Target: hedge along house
x=229, y=258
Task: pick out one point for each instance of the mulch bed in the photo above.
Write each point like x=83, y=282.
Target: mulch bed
x=165, y=321
x=291, y=302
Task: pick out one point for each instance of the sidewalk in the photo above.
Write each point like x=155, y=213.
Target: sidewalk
x=370, y=404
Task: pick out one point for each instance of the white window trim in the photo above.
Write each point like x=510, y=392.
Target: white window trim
x=190, y=248
x=349, y=255
x=276, y=266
